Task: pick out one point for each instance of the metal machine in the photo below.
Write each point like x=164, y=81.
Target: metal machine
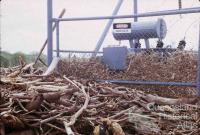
x=115, y=57
x=140, y=30
x=133, y=32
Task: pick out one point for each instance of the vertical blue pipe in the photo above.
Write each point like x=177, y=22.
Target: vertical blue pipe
x=57, y=39
x=106, y=29
x=198, y=69
x=147, y=43
x=135, y=11
x=49, y=31
x=135, y=4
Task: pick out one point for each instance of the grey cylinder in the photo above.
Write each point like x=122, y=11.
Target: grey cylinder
x=141, y=30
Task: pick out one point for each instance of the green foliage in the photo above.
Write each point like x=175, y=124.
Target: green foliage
x=8, y=59
x=5, y=58
x=15, y=58
x=4, y=62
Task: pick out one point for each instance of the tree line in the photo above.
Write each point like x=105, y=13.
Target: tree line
x=11, y=59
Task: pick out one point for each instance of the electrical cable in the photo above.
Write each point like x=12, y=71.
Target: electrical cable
x=180, y=19
x=193, y=3
x=188, y=28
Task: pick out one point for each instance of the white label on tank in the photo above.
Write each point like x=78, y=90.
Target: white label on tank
x=122, y=30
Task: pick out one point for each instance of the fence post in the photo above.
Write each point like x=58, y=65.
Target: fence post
x=198, y=67
x=135, y=9
x=49, y=31
x=57, y=39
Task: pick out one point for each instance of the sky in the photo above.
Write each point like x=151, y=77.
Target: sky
x=24, y=23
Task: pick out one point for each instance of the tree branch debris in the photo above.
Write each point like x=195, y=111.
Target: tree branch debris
x=57, y=104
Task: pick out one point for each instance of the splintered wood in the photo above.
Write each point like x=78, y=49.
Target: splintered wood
x=177, y=67
x=69, y=101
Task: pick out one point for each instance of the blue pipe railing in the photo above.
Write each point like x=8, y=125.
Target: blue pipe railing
x=149, y=83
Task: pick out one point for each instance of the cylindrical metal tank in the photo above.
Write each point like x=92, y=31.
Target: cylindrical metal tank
x=140, y=30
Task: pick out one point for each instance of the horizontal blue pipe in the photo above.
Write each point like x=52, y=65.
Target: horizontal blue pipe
x=148, y=14
x=76, y=51
x=148, y=83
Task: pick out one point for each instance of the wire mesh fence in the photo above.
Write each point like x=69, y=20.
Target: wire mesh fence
x=153, y=33
x=180, y=30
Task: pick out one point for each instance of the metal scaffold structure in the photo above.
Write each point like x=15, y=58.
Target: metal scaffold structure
x=135, y=16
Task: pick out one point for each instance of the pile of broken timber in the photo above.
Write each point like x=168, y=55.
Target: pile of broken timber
x=37, y=103
x=177, y=67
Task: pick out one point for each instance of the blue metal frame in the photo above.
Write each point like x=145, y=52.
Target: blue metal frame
x=198, y=68
x=50, y=21
x=148, y=14
x=135, y=9
x=149, y=83
x=76, y=51
x=57, y=39
x=49, y=31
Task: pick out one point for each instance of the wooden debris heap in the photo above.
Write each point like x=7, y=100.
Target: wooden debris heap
x=36, y=103
x=177, y=67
